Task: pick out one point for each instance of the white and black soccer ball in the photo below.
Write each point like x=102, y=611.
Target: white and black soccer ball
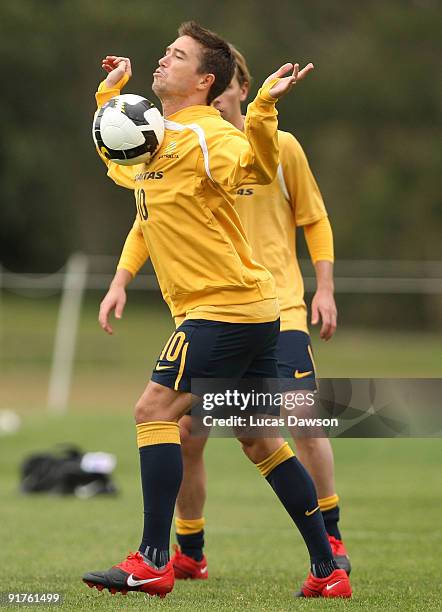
x=128, y=129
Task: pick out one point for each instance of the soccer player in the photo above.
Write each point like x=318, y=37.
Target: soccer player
x=270, y=214
x=187, y=224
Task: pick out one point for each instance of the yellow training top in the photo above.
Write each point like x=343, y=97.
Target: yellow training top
x=185, y=211
x=270, y=214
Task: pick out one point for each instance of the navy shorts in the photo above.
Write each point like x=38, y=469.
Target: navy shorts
x=212, y=349
x=295, y=360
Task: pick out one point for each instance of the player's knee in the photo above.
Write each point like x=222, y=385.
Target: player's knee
x=185, y=424
x=260, y=449
x=256, y=449
x=159, y=403
x=149, y=407
x=308, y=445
x=143, y=412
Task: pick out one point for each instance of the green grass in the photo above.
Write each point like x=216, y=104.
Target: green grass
x=391, y=498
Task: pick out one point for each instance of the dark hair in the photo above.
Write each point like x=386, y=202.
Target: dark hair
x=216, y=57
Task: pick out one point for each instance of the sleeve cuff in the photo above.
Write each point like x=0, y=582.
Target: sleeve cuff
x=264, y=102
x=122, y=265
x=319, y=238
x=105, y=93
x=264, y=92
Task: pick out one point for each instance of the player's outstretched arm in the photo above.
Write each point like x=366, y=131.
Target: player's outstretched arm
x=285, y=83
x=114, y=300
x=258, y=162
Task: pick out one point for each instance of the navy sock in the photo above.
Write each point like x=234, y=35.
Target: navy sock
x=161, y=475
x=331, y=518
x=324, y=568
x=296, y=491
x=192, y=544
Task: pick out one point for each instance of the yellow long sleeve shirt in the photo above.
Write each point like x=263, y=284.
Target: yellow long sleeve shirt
x=185, y=211
x=270, y=215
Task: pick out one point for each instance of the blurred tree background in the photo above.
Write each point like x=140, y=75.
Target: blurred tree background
x=368, y=116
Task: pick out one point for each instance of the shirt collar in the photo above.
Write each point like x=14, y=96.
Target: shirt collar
x=191, y=113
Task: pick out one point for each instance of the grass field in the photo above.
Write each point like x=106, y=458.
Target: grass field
x=391, y=490
x=391, y=500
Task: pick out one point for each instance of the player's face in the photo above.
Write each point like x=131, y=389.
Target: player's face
x=177, y=73
x=229, y=102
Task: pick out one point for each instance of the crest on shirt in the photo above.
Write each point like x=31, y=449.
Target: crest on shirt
x=169, y=151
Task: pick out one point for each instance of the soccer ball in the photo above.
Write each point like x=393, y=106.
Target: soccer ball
x=128, y=130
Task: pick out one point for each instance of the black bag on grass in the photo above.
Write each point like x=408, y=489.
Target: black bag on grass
x=68, y=472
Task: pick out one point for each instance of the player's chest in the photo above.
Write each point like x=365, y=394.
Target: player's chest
x=169, y=182
x=178, y=155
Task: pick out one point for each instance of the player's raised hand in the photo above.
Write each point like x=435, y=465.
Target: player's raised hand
x=285, y=83
x=116, y=67
x=114, y=300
